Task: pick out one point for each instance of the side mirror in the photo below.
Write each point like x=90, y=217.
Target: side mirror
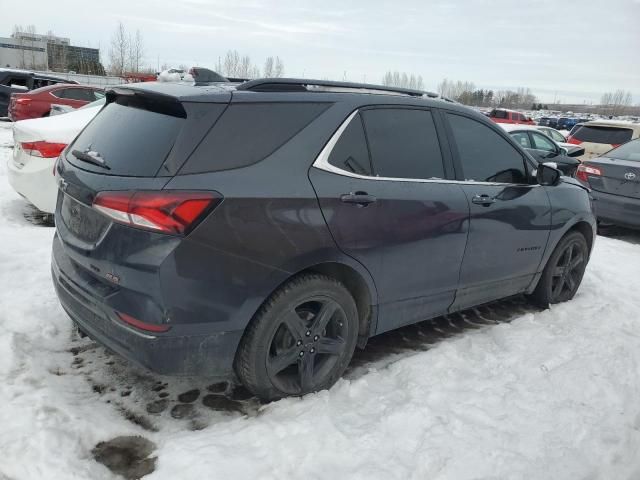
x=564, y=151
x=578, y=152
x=548, y=174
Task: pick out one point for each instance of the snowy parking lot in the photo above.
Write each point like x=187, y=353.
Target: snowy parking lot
x=504, y=391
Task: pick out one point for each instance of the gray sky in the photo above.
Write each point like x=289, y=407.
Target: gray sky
x=572, y=50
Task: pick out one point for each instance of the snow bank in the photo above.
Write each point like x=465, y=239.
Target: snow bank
x=552, y=394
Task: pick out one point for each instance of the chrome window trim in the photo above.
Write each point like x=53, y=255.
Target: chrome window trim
x=322, y=163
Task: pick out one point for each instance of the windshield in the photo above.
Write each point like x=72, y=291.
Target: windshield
x=628, y=151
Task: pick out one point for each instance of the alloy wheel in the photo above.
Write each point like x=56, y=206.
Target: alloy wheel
x=306, y=345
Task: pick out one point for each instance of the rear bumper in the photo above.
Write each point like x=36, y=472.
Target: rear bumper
x=176, y=352
x=34, y=181
x=616, y=209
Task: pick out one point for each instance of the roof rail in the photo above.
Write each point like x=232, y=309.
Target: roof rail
x=303, y=85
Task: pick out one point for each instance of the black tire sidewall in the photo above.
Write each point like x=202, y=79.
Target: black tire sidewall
x=543, y=294
x=256, y=344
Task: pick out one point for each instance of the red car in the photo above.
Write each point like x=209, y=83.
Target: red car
x=502, y=115
x=37, y=103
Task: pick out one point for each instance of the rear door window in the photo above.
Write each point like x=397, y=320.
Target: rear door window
x=403, y=143
x=499, y=114
x=540, y=142
x=602, y=134
x=350, y=152
x=522, y=138
x=249, y=132
x=484, y=155
x=132, y=141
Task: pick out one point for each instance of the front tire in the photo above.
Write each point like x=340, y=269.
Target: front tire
x=563, y=273
x=300, y=341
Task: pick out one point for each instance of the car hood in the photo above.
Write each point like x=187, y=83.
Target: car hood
x=58, y=128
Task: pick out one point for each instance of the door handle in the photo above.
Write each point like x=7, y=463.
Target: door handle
x=361, y=199
x=484, y=200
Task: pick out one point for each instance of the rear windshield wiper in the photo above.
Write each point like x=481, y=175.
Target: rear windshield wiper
x=91, y=157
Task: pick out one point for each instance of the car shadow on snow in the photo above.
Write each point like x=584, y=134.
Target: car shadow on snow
x=20, y=212
x=620, y=233
x=154, y=402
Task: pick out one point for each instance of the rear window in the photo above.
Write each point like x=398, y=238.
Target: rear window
x=248, y=133
x=132, y=141
x=628, y=151
x=595, y=134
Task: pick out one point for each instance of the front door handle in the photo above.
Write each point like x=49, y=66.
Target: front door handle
x=484, y=200
x=362, y=199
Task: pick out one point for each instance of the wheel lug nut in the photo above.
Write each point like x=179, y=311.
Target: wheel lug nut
x=308, y=334
x=312, y=350
x=316, y=338
x=302, y=354
x=299, y=343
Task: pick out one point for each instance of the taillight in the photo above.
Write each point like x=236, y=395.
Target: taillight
x=164, y=211
x=584, y=171
x=23, y=101
x=573, y=140
x=43, y=149
x=139, y=324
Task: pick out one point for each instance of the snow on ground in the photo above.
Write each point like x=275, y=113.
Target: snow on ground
x=498, y=392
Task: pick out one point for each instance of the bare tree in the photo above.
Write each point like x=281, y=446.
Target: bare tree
x=31, y=42
x=278, y=69
x=616, y=103
x=231, y=63
x=17, y=30
x=119, y=50
x=403, y=80
x=268, y=67
x=136, y=52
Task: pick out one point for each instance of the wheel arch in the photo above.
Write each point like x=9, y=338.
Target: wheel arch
x=356, y=280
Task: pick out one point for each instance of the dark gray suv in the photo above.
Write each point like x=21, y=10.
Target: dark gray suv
x=264, y=233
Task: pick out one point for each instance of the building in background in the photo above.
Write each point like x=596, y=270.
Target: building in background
x=23, y=51
x=48, y=52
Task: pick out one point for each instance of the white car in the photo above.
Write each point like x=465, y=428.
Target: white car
x=38, y=143
x=552, y=133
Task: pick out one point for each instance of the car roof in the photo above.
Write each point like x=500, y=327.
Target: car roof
x=284, y=89
x=613, y=124
x=61, y=86
x=512, y=127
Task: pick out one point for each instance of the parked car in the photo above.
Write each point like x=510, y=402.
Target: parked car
x=502, y=115
x=38, y=143
x=599, y=136
x=259, y=233
x=38, y=103
x=559, y=138
x=20, y=81
x=551, y=122
x=615, y=182
x=543, y=148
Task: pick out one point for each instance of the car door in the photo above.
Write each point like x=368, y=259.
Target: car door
x=510, y=217
x=383, y=189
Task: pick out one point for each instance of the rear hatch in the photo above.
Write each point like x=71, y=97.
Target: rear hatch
x=619, y=175
x=134, y=146
x=599, y=139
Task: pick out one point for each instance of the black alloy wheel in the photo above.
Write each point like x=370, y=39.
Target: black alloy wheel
x=300, y=341
x=307, y=345
x=563, y=273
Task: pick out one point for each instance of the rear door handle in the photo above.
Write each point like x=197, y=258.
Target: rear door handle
x=362, y=199
x=484, y=200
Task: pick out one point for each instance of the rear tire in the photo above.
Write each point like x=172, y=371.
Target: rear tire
x=300, y=341
x=563, y=273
